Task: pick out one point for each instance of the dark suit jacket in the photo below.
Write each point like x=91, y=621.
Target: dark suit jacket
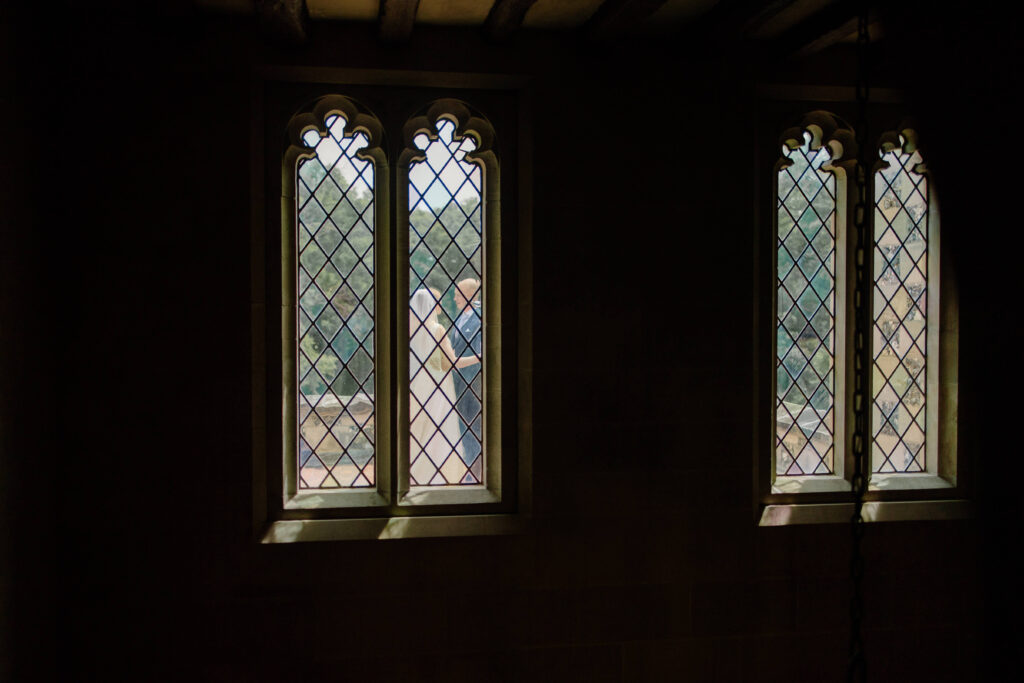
x=467, y=336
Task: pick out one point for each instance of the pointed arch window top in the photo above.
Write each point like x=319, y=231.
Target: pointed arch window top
x=453, y=121
x=328, y=121
x=445, y=173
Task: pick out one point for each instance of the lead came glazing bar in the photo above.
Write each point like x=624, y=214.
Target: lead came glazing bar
x=805, y=323
x=900, y=329
x=445, y=313
x=335, y=199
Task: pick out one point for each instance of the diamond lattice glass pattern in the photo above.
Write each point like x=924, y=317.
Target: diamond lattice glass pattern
x=335, y=319
x=805, y=323
x=445, y=316
x=899, y=338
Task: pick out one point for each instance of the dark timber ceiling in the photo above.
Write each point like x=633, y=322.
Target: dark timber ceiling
x=800, y=27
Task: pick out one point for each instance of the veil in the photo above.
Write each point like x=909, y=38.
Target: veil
x=421, y=315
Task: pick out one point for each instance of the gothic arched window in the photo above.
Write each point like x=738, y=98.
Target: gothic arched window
x=449, y=228
x=393, y=324
x=900, y=335
x=806, y=310
x=910, y=383
x=810, y=184
x=335, y=201
x=914, y=332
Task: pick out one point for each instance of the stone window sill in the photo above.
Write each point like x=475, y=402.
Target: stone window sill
x=874, y=511
x=307, y=530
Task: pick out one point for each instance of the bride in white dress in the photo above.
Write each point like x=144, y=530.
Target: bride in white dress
x=435, y=427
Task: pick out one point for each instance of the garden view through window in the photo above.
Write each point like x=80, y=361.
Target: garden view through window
x=807, y=345
x=336, y=407
x=805, y=322
x=900, y=330
x=335, y=326
x=445, y=312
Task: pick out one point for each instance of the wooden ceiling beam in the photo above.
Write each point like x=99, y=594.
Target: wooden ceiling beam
x=778, y=16
x=506, y=17
x=286, y=21
x=614, y=17
x=397, y=18
x=828, y=27
x=828, y=38
x=780, y=30
x=760, y=16
x=732, y=22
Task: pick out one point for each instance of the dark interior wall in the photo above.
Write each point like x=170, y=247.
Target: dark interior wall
x=127, y=476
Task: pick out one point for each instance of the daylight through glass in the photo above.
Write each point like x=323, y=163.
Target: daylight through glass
x=335, y=318
x=900, y=330
x=445, y=313
x=805, y=322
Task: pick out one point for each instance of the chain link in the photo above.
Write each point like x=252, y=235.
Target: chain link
x=857, y=669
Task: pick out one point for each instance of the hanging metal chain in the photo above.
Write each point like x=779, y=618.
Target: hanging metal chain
x=857, y=668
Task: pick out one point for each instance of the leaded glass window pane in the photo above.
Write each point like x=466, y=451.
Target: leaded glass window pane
x=900, y=330
x=335, y=201
x=805, y=321
x=445, y=312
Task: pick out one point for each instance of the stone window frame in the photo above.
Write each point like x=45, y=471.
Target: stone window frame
x=408, y=104
x=941, y=492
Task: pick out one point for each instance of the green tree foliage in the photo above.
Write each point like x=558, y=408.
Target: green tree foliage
x=336, y=281
x=336, y=274
x=450, y=249
x=806, y=262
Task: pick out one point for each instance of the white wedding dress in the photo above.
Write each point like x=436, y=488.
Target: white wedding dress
x=434, y=428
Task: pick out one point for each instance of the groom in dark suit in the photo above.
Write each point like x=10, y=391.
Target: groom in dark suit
x=467, y=338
